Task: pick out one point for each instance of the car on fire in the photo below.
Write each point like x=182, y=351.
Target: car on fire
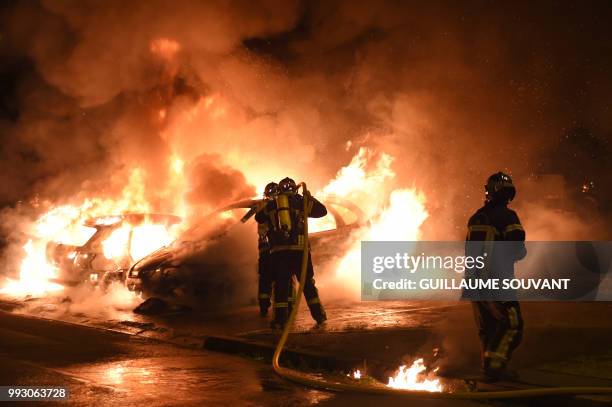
x=202, y=264
x=113, y=244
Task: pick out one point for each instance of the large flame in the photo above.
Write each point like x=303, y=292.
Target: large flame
x=149, y=237
x=390, y=214
x=35, y=273
x=137, y=241
x=116, y=245
x=413, y=378
x=66, y=224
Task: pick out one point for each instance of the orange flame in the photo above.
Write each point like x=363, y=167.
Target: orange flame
x=137, y=241
x=411, y=378
x=65, y=224
x=35, y=273
x=393, y=214
x=116, y=245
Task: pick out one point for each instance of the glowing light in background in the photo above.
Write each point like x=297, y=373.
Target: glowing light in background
x=164, y=47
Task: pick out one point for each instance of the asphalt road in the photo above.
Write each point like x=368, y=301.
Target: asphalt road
x=133, y=367
x=105, y=368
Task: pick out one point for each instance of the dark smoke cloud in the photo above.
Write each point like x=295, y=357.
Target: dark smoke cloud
x=90, y=84
x=455, y=91
x=216, y=185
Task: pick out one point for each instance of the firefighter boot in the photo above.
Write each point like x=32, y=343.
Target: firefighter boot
x=280, y=315
x=495, y=369
x=317, y=311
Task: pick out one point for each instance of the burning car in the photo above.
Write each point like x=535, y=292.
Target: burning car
x=113, y=244
x=177, y=270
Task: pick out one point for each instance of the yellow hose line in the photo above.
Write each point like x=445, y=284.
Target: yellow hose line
x=320, y=383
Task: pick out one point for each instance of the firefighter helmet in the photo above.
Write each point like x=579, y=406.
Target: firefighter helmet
x=287, y=185
x=499, y=187
x=271, y=190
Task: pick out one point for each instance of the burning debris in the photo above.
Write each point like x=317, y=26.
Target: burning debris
x=415, y=378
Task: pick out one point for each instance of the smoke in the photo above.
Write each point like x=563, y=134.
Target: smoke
x=95, y=81
x=245, y=92
x=215, y=185
x=113, y=303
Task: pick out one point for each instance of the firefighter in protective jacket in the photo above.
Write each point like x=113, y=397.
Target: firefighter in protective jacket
x=265, y=283
x=499, y=321
x=264, y=270
x=285, y=218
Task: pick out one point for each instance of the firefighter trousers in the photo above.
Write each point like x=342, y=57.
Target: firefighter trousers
x=286, y=265
x=500, y=328
x=265, y=290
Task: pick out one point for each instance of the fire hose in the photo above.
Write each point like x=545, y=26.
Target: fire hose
x=321, y=383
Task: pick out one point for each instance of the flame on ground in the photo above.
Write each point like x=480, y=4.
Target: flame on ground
x=412, y=378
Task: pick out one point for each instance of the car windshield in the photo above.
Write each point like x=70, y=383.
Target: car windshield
x=76, y=235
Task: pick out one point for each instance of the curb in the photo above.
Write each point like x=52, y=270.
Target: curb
x=256, y=349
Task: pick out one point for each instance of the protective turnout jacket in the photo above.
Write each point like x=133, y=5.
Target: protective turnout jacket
x=293, y=239
x=263, y=242
x=490, y=225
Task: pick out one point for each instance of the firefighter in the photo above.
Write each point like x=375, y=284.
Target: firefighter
x=265, y=284
x=285, y=218
x=265, y=277
x=499, y=322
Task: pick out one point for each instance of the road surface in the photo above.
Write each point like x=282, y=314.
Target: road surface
x=105, y=368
